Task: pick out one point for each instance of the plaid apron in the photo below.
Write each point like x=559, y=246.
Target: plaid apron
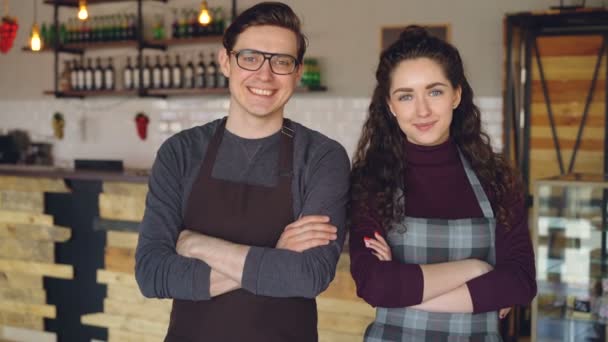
x=430, y=241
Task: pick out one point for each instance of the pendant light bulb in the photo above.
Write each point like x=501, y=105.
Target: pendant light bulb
x=35, y=42
x=83, y=14
x=204, y=17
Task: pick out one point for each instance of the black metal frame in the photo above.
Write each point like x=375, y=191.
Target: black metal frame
x=142, y=44
x=530, y=28
x=518, y=95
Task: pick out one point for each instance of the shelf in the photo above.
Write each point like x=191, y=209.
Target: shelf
x=186, y=41
x=74, y=3
x=311, y=89
x=45, y=49
x=187, y=92
x=92, y=93
x=162, y=93
x=97, y=45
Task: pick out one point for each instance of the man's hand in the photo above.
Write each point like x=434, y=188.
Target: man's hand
x=307, y=232
x=186, y=240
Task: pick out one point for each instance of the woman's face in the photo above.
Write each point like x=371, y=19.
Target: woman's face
x=422, y=100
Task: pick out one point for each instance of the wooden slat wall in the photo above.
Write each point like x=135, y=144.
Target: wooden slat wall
x=568, y=64
x=131, y=317
x=27, y=254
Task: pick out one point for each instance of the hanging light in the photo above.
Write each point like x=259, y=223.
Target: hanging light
x=83, y=14
x=35, y=42
x=204, y=17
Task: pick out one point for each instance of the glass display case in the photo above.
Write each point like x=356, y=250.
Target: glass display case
x=569, y=236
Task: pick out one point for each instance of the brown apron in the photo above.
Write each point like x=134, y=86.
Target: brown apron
x=252, y=215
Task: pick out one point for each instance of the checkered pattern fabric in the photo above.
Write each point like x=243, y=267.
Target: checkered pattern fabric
x=429, y=241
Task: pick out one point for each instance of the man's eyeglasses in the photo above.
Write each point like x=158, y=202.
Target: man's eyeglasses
x=252, y=60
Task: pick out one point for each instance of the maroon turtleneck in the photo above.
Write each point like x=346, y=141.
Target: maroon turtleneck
x=437, y=187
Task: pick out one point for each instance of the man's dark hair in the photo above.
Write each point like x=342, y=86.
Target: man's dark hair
x=266, y=13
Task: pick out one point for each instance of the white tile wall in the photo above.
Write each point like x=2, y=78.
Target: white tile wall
x=105, y=128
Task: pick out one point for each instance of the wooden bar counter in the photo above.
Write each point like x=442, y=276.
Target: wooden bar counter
x=119, y=202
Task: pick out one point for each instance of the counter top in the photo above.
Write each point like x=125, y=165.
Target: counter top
x=129, y=175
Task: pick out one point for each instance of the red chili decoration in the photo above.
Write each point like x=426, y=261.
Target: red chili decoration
x=141, y=121
x=8, y=32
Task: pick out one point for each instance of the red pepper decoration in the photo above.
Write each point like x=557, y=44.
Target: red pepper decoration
x=8, y=32
x=141, y=121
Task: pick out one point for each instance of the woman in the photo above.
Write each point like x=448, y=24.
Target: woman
x=439, y=240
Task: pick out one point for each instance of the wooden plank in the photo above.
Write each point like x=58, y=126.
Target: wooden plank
x=20, y=280
x=127, y=189
x=122, y=239
x=121, y=207
x=573, y=108
x=569, y=68
x=573, y=120
x=152, y=310
x=23, y=295
x=127, y=294
x=26, y=335
x=111, y=277
x=25, y=217
x=49, y=270
x=348, y=324
x=131, y=324
x=19, y=249
x=21, y=321
x=120, y=259
x=34, y=184
x=569, y=45
x=117, y=335
x=38, y=310
x=564, y=91
x=22, y=201
x=346, y=307
x=35, y=232
x=585, y=144
x=342, y=287
x=569, y=131
x=332, y=336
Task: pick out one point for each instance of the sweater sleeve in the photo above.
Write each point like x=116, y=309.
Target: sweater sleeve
x=282, y=273
x=513, y=280
x=160, y=272
x=380, y=283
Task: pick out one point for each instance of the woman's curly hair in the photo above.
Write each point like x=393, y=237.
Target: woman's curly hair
x=379, y=165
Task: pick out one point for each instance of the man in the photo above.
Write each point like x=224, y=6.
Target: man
x=244, y=218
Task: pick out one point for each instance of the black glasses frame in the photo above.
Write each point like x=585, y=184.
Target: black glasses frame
x=267, y=56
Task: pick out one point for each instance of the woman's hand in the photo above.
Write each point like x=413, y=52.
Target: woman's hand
x=503, y=313
x=379, y=247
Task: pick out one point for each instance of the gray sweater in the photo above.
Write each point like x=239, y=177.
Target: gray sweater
x=319, y=187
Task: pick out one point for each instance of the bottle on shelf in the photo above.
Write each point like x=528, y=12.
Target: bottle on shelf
x=64, y=79
x=201, y=72
x=212, y=73
x=183, y=24
x=191, y=23
x=88, y=76
x=74, y=76
x=157, y=74
x=98, y=83
x=177, y=74
x=166, y=74
x=132, y=27
x=189, y=79
x=136, y=73
x=147, y=74
x=158, y=31
x=109, y=76
x=127, y=75
x=175, y=34
x=81, y=77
